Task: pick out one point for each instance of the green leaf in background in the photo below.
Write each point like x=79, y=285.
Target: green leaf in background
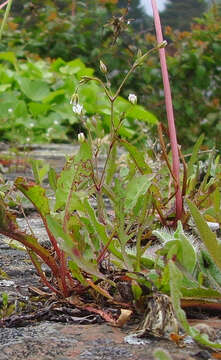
x=21, y=110
x=4, y=87
x=208, y=237
x=52, y=97
x=38, y=108
x=35, y=90
x=137, y=187
x=9, y=56
x=55, y=66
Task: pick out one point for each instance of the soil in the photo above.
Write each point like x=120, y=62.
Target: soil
x=90, y=338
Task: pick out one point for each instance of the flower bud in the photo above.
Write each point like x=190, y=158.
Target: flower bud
x=139, y=53
x=132, y=98
x=74, y=99
x=163, y=44
x=103, y=67
x=81, y=138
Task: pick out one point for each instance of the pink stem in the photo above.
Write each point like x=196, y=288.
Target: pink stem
x=2, y=5
x=169, y=110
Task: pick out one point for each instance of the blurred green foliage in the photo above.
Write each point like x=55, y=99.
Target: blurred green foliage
x=73, y=29
x=35, y=102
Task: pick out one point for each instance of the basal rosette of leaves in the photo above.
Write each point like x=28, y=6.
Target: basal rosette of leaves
x=91, y=242
x=35, y=101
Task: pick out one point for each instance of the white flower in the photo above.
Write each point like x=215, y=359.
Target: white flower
x=56, y=122
x=77, y=109
x=28, y=139
x=132, y=98
x=31, y=125
x=81, y=137
x=10, y=110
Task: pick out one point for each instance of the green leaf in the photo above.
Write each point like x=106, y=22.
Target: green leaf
x=188, y=259
x=111, y=165
x=137, y=187
x=35, y=193
x=55, y=66
x=200, y=292
x=212, y=244
x=4, y=87
x=38, y=109
x=137, y=156
x=85, y=152
x=194, y=156
x=40, y=169
x=21, y=110
x=52, y=179
x=100, y=229
x=9, y=56
x=77, y=274
x=161, y=354
x=209, y=268
x=68, y=245
x=138, y=112
x=136, y=289
x=35, y=90
x=175, y=293
x=52, y=97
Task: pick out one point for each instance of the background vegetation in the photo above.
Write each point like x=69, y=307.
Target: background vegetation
x=85, y=30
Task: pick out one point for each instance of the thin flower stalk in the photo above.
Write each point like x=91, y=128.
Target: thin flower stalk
x=170, y=113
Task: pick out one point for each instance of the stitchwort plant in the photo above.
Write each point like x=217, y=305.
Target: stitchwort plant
x=95, y=211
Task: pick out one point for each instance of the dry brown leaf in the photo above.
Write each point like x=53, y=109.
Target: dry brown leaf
x=123, y=318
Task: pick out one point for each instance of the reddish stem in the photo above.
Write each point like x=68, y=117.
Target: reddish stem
x=169, y=110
